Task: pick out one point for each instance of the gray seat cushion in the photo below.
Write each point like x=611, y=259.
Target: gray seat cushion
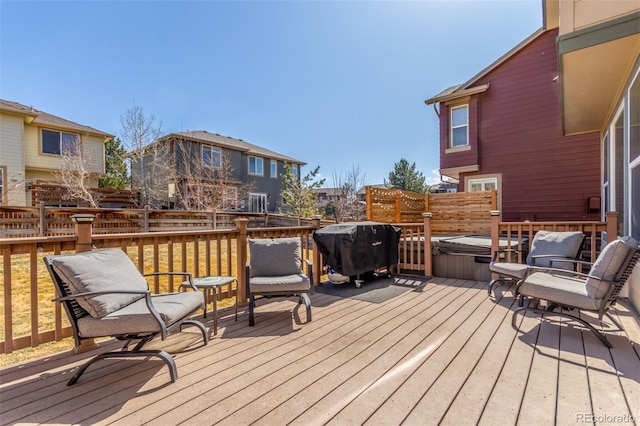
x=101, y=270
x=515, y=270
x=272, y=257
x=294, y=283
x=562, y=289
x=135, y=318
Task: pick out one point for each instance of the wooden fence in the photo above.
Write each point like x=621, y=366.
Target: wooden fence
x=21, y=222
x=456, y=213
x=57, y=195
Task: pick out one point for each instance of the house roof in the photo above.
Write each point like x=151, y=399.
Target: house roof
x=468, y=88
x=41, y=118
x=328, y=191
x=232, y=143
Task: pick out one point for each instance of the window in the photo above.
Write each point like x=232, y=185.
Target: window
x=60, y=143
x=211, y=156
x=255, y=166
x=459, y=124
x=274, y=168
x=257, y=203
x=294, y=169
x=486, y=184
x=614, y=180
x=605, y=172
x=634, y=158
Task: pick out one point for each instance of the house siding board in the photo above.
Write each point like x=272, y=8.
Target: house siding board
x=12, y=157
x=520, y=136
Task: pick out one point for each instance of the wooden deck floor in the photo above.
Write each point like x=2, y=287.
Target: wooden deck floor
x=442, y=353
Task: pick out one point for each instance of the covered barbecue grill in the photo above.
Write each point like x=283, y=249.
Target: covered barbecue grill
x=357, y=248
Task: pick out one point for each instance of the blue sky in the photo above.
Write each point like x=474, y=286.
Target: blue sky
x=335, y=84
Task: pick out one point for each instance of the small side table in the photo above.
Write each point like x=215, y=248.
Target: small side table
x=212, y=283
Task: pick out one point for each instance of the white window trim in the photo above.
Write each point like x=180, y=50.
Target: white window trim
x=452, y=127
x=483, y=181
x=613, y=167
x=258, y=195
x=631, y=163
x=256, y=173
x=3, y=185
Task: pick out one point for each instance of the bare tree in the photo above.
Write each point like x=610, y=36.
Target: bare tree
x=76, y=171
x=149, y=160
x=347, y=184
x=14, y=186
x=205, y=181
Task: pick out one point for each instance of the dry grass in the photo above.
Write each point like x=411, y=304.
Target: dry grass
x=43, y=292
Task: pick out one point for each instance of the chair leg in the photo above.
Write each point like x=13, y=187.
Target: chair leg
x=304, y=297
x=164, y=356
x=252, y=301
x=205, y=336
x=542, y=312
x=491, y=284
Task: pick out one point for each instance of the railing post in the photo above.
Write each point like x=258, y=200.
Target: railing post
x=83, y=223
x=428, y=264
x=495, y=235
x=43, y=220
x=84, y=242
x=397, y=205
x=316, y=257
x=145, y=225
x=241, y=256
x=611, y=219
x=368, y=203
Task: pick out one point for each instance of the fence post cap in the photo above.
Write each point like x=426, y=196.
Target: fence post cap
x=82, y=218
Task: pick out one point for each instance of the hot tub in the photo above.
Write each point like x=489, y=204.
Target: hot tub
x=464, y=257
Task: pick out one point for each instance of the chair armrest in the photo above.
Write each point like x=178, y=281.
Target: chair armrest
x=310, y=273
x=189, y=276
x=494, y=258
x=559, y=259
x=147, y=298
x=98, y=293
x=247, y=274
x=556, y=271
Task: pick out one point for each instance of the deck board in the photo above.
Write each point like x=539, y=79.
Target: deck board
x=441, y=353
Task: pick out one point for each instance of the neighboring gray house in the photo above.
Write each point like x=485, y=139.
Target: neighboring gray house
x=199, y=170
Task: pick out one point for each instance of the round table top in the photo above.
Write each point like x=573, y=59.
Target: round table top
x=212, y=281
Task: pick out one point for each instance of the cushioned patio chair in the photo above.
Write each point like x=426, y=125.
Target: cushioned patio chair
x=105, y=295
x=596, y=291
x=274, y=269
x=546, y=246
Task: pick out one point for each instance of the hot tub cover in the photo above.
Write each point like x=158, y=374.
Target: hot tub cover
x=353, y=248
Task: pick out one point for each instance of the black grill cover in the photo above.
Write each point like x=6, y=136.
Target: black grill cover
x=353, y=248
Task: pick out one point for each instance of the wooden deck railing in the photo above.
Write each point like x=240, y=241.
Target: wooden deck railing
x=416, y=248
x=30, y=318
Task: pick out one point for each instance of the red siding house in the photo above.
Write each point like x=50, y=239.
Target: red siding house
x=503, y=130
